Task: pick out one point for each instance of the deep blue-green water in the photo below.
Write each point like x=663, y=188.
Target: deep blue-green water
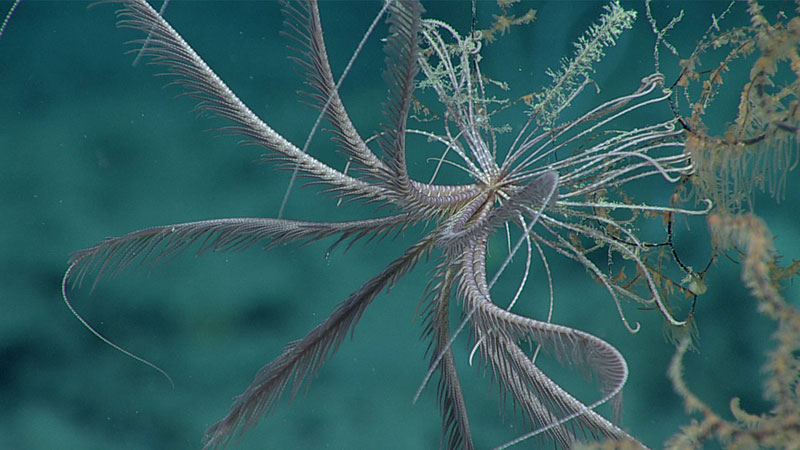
x=92, y=147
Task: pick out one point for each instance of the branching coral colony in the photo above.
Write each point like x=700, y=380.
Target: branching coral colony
x=756, y=150
x=557, y=186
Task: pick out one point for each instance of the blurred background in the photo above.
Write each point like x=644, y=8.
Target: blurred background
x=92, y=147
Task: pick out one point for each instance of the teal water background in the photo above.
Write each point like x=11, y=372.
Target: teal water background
x=91, y=147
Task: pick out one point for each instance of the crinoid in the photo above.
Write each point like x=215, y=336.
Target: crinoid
x=558, y=186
